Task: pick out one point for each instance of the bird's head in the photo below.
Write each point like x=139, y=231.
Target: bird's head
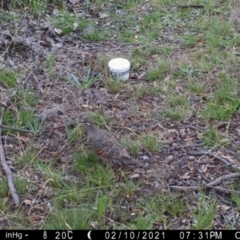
x=91, y=128
x=87, y=121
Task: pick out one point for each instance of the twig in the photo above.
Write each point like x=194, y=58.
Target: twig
x=225, y=190
x=204, y=178
x=189, y=6
x=5, y=165
x=191, y=188
x=197, y=128
x=182, y=188
x=220, y=179
x=186, y=146
x=16, y=129
x=195, y=153
x=222, y=124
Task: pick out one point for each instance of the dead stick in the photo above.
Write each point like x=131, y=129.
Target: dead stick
x=182, y=188
x=225, y=190
x=233, y=165
x=220, y=179
x=16, y=129
x=189, y=6
x=191, y=188
x=7, y=169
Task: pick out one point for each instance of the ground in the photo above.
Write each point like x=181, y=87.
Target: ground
x=178, y=114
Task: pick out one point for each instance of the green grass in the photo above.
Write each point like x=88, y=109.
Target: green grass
x=27, y=157
x=205, y=213
x=196, y=88
x=21, y=117
x=30, y=5
x=114, y=85
x=140, y=90
x=159, y=72
x=8, y=78
x=132, y=146
x=235, y=197
x=225, y=101
x=150, y=143
x=68, y=23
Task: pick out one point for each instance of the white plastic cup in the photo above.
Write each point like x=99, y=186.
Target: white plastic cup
x=119, y=68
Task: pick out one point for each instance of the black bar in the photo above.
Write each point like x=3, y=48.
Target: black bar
x=120, y=234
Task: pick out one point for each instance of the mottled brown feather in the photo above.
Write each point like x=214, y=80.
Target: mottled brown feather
x=106, y=145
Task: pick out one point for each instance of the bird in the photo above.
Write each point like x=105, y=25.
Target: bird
x=106, y=146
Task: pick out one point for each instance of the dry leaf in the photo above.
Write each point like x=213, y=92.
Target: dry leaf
x=135, y=175
x=224, y=208
x=27, y=202
x=185, y=176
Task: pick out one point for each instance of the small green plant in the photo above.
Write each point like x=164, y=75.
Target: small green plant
x=219, y=112
x=132, y=146
x=140, y=90
x=205, y=212
x=3, y=189
x=27, y=119
x=114, y=85
x=27, y=157
x=150, y=143
x=100, y=118
x=84, y=160
x=159, y=72
x=190, y=41
x=177, y=100
x=165, y=51
x=75, y=134
x=212, y=138
x=102, y=205
x=50, y=58
x=21, y=185
x=95, y=36
x=73, y=218
x=100, y=178
x=68, y=23
x=176, y=113
x=34, y=125
x=26, y=97
x=139, y=52
x=195, y=88
x=8, y=79
x=189, y=71
x=146, y=52
x=225, y=100
x=55, y=178
x=236, y=198
x=86, y=82
x=9, y=19
x=34, y=5
x=156, y=89
x=137, y=62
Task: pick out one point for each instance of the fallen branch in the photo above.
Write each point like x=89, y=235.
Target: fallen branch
x=189, y=6
x=211, y=185
x=220, y=179
x=225, y=190
x=16, y=129
x=233, y=165
x=5, y=166
x=186, y=146
x=191, y=188
x=182, y=188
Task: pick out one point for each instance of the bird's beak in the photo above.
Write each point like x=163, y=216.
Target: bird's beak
x=81, y=121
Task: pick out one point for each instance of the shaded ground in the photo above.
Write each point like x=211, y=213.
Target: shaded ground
x=59, y=69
